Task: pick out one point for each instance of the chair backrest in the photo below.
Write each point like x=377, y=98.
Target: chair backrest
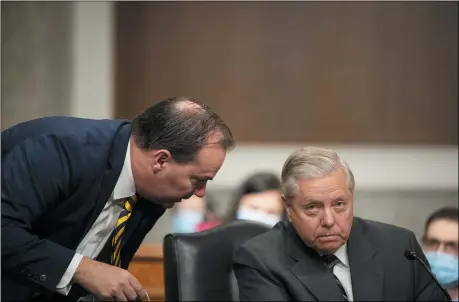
x=198, y=266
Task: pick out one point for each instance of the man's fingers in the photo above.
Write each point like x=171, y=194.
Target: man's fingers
x=136, y=286
x=120, y=296
x=130, y=293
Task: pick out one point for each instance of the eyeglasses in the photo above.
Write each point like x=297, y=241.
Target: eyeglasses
x=435, y=244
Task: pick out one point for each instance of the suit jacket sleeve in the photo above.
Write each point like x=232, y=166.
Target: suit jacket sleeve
x=36, y=174
x=425, y=287
x=255, y=282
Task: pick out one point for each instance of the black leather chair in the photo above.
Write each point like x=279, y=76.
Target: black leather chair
x=198, y=266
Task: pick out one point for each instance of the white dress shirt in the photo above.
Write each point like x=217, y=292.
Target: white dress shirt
x=102, y=229
x=342, y=271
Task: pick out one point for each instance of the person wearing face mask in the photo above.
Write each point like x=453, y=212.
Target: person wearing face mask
x=440, y=243
x=194, y=214
x=188, y=214
x=258, y=199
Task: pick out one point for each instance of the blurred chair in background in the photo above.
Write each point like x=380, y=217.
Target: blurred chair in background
x=259, y=199
x=440, y=243
x=198, y=266
x=194, y=214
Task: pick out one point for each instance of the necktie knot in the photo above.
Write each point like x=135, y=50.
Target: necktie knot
x=330, y=260
x=130, y=202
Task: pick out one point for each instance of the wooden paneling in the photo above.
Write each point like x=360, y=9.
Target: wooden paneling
x=342, y=72
x=147, y=266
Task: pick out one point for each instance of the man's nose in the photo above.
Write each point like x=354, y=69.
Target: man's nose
x=328, y=219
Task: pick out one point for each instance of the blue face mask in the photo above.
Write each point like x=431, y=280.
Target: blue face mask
x=259, y=216
x=445, y=268
x=185, y=221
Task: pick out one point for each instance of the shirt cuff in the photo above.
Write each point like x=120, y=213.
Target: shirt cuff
x=64, y=286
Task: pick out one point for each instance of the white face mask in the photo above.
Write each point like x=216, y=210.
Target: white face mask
x=258, y=216
x=185, y=221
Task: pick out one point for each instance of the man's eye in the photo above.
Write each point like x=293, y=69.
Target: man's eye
x=340, y=204
x=311, y=207
x=430, y=242
x=452, y=246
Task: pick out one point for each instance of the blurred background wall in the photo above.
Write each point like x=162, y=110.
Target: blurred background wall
x=376, y=81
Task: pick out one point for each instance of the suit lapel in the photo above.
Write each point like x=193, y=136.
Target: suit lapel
x=110, y=176
x=310, y=269
x=367, y=271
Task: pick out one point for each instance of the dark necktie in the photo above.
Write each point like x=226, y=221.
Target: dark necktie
x=331, y=261
x=119, y=230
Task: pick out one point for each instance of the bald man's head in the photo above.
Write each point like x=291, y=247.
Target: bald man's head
x=178, y=146
x=181, y=125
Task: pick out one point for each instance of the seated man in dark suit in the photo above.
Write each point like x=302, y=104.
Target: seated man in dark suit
x=79, y=195
x=324, y=253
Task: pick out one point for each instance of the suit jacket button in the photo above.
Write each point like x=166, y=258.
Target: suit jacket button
x=43, y=278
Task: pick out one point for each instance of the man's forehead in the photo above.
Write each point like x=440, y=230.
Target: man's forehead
x=326, y=192
x=443, y=229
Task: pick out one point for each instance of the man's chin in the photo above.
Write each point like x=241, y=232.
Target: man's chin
x=168, y=205
x=328, y=244
x=187, y=197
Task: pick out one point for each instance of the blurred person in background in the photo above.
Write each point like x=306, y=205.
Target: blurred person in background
x=194, y=214
x=211, y=218
x=440, y=243
x=258, y=199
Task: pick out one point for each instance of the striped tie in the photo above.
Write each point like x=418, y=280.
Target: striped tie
x=119, y=230
x=331, y=261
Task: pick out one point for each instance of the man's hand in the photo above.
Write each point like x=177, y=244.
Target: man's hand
x=107, y=282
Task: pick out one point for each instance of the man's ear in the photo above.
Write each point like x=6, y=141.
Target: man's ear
x=161, y=158
x=287, y=205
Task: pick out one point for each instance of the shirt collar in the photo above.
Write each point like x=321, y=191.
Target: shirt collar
x=341, y=254
x=125, y=186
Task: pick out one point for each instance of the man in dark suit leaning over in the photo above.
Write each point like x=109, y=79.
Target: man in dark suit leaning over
x=324, y=253
x=79, y=195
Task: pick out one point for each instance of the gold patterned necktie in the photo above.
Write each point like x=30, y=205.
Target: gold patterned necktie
x=119, y=230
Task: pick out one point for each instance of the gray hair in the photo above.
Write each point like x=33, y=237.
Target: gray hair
x=311, y=162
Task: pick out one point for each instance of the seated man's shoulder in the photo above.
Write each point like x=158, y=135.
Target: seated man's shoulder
x=260, y=244
x=383, y=231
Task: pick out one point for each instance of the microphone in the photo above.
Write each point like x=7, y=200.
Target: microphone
x=411, y=255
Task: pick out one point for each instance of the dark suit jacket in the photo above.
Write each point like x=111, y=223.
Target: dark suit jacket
x=278, y=266
x=57, y=175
